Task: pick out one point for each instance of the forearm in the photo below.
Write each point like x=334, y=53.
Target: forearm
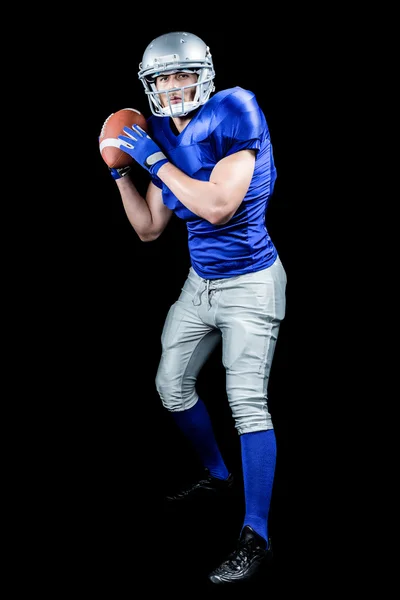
x=136, y=208
x=203, y=198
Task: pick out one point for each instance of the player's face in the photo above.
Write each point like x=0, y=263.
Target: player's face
x=176, y=80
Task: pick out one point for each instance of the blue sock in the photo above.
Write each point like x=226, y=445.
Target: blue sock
x=258, y=462
x=196, y=425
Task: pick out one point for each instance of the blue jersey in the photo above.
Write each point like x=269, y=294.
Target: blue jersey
x=228, y=122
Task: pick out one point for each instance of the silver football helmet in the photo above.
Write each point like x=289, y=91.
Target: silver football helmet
x=172, y=52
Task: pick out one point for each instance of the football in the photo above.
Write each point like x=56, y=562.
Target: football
x=113, y=127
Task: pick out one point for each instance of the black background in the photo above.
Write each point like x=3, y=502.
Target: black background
x=121, y=450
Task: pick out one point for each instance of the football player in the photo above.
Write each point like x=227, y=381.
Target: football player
x=210, y=160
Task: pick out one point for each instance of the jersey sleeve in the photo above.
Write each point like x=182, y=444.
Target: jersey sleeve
x=242, y=123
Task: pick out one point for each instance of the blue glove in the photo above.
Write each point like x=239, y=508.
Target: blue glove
x=118, y=173
x=141, y=147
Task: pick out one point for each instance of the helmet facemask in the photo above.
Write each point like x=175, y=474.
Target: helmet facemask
x=203, y=89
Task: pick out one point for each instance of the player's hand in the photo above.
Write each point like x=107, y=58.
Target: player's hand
x=141, y=147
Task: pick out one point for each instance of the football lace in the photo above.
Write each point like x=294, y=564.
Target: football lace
x=104, y=124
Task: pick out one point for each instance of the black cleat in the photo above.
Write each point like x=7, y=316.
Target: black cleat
x=247, y=561
x=207, y=486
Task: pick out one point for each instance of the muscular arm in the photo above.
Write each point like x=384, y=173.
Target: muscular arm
x=218, y=199
x=149, y=216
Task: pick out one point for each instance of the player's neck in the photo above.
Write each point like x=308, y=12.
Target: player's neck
x=178, y=124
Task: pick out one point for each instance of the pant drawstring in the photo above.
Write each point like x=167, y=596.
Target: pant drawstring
x=208, y=294
x=199, y=293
